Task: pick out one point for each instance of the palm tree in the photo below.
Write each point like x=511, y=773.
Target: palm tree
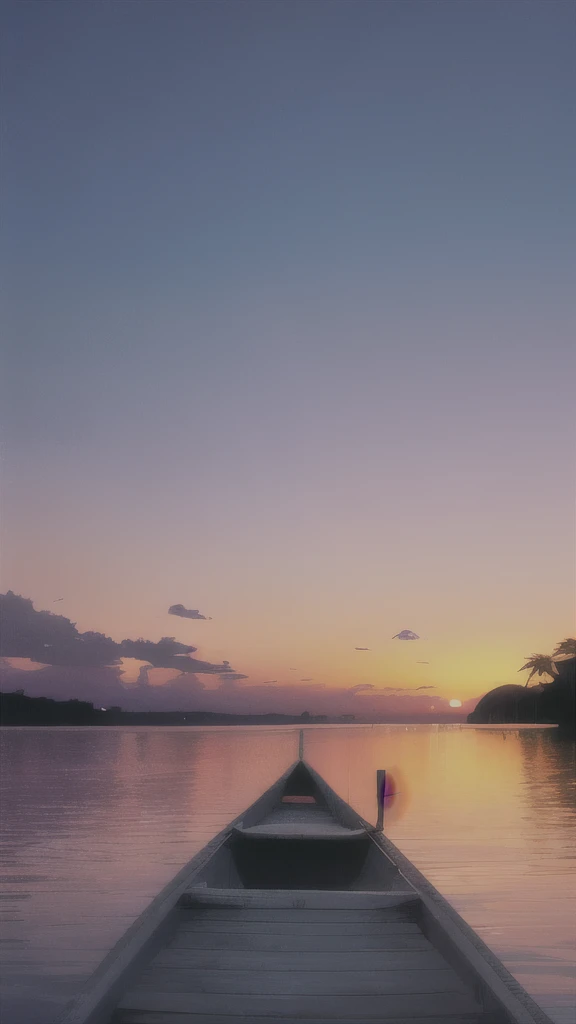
x=539, y=664
x=566, y=649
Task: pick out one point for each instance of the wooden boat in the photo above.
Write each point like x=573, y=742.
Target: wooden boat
x=301, y=911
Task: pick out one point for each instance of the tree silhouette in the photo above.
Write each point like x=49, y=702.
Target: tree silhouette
x=567, y=648
x=539, y=664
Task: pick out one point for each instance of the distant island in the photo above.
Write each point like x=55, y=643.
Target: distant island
x=547, y=703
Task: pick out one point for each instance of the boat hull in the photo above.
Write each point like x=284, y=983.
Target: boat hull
x=301, y=910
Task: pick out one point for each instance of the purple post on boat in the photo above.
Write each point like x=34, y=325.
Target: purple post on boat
x=381, y=795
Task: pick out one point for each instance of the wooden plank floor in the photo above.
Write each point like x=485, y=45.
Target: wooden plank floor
x=265, y=966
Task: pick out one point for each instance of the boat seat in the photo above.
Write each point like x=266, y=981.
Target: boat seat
x=299, y=820
x=300, y=830
x=405, y=900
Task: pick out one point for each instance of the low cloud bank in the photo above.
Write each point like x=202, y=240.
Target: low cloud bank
x=54, y=640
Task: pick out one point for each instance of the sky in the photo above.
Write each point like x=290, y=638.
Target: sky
x=289, y=340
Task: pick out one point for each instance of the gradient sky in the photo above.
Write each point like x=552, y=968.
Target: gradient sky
x=289, y=330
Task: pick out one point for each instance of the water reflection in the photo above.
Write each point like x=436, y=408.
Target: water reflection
x=97, y=820
x=490, y=818
x=549, y=769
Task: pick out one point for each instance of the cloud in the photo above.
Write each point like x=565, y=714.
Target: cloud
x=232, y=677
x=310, y=680
x=144, y=676
x=146, y=650
x=268, y=682
x=368, y=689
x=361, y=648
x=422, y=662
x=384, y=691
x=185, y=613
x=54, y=640
x=406, y=634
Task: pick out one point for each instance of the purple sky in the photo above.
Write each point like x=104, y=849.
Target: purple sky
x=287, y=303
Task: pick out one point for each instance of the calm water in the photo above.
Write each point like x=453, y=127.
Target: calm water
x=95, y=821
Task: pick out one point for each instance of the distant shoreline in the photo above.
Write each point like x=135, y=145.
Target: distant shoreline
x=17, y=709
